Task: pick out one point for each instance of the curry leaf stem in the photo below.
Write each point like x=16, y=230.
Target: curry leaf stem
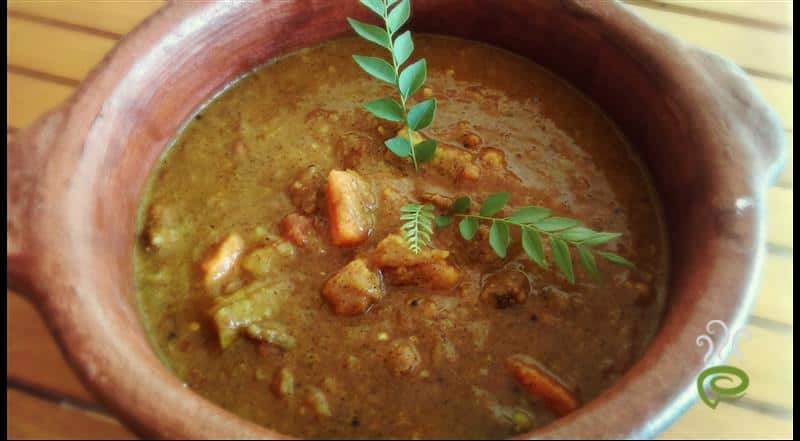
x=530, y=227
x=397, y=81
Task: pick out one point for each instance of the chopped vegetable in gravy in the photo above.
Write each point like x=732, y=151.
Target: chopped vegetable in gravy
x=274, y=279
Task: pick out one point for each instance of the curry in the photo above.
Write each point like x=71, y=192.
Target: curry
x=273, y=278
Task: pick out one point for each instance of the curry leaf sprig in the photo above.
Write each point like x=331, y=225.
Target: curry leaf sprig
x=418, y=229
x=534, y=222
x=407, y=81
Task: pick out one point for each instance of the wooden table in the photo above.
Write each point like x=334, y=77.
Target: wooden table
x=52, y=45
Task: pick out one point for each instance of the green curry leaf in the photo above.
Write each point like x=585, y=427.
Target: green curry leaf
x=375, y=6
x=498, y=238
x=417, y=231
x=563, y=260
x=399, y=15
x=395, y=14
x=421, y=115
x=588, y=262
x=601, y=238
x=413, y=77
x=494, y=203
x=403, y=46
x=370, y=32
x=555, y=224
x=616, y=258
x=425, y=150
x=526, y=215
x=460, y=205
x=468, y=227
x=399, y=145
x=376, y=67
x=385, y=108
x=443, y=220
x=532, y=244
x=577, y=234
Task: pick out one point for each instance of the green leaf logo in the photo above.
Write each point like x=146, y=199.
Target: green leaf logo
x=721, y=392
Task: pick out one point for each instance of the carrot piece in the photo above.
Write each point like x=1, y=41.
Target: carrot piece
x=297, y=229
x=349, y=207
x=540, y=383
x=223, y=258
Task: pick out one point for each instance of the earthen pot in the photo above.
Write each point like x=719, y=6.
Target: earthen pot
x=76, y=175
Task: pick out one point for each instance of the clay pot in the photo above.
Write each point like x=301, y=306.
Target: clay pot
x=76, y=175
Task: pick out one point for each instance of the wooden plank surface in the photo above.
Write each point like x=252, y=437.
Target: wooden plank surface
x=779, y=95
x=34, y=359
x=30, y=97
x=766, y=356
x=52, y=44
x=752, y=48
x=67, y=54
x=34, y=417
x=112, y=18
x=728, y=422
x=777, y=13
x=780, y=215
x=787, y=175
x=775, y=299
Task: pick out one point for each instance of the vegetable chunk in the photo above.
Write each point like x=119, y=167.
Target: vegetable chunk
x=246, y=306
x=517, y=417
x=393, y=252
x=350, y=206
x=306, y=189
x=436, y=275
x=402, y=267
x=272, y=333
x=268, y=259
x=283, y=383
x=163, y=228
x=222, y=259
x=403, y=358
x=506, y=288
x=317, y=402
x=298, y=229
x=353, y=289
x=542, y=384
x=455, y=162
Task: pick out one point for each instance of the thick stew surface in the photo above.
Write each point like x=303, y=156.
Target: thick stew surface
x=271, y=278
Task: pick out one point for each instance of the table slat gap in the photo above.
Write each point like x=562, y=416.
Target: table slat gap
x=694, y=11
x=63, y=24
